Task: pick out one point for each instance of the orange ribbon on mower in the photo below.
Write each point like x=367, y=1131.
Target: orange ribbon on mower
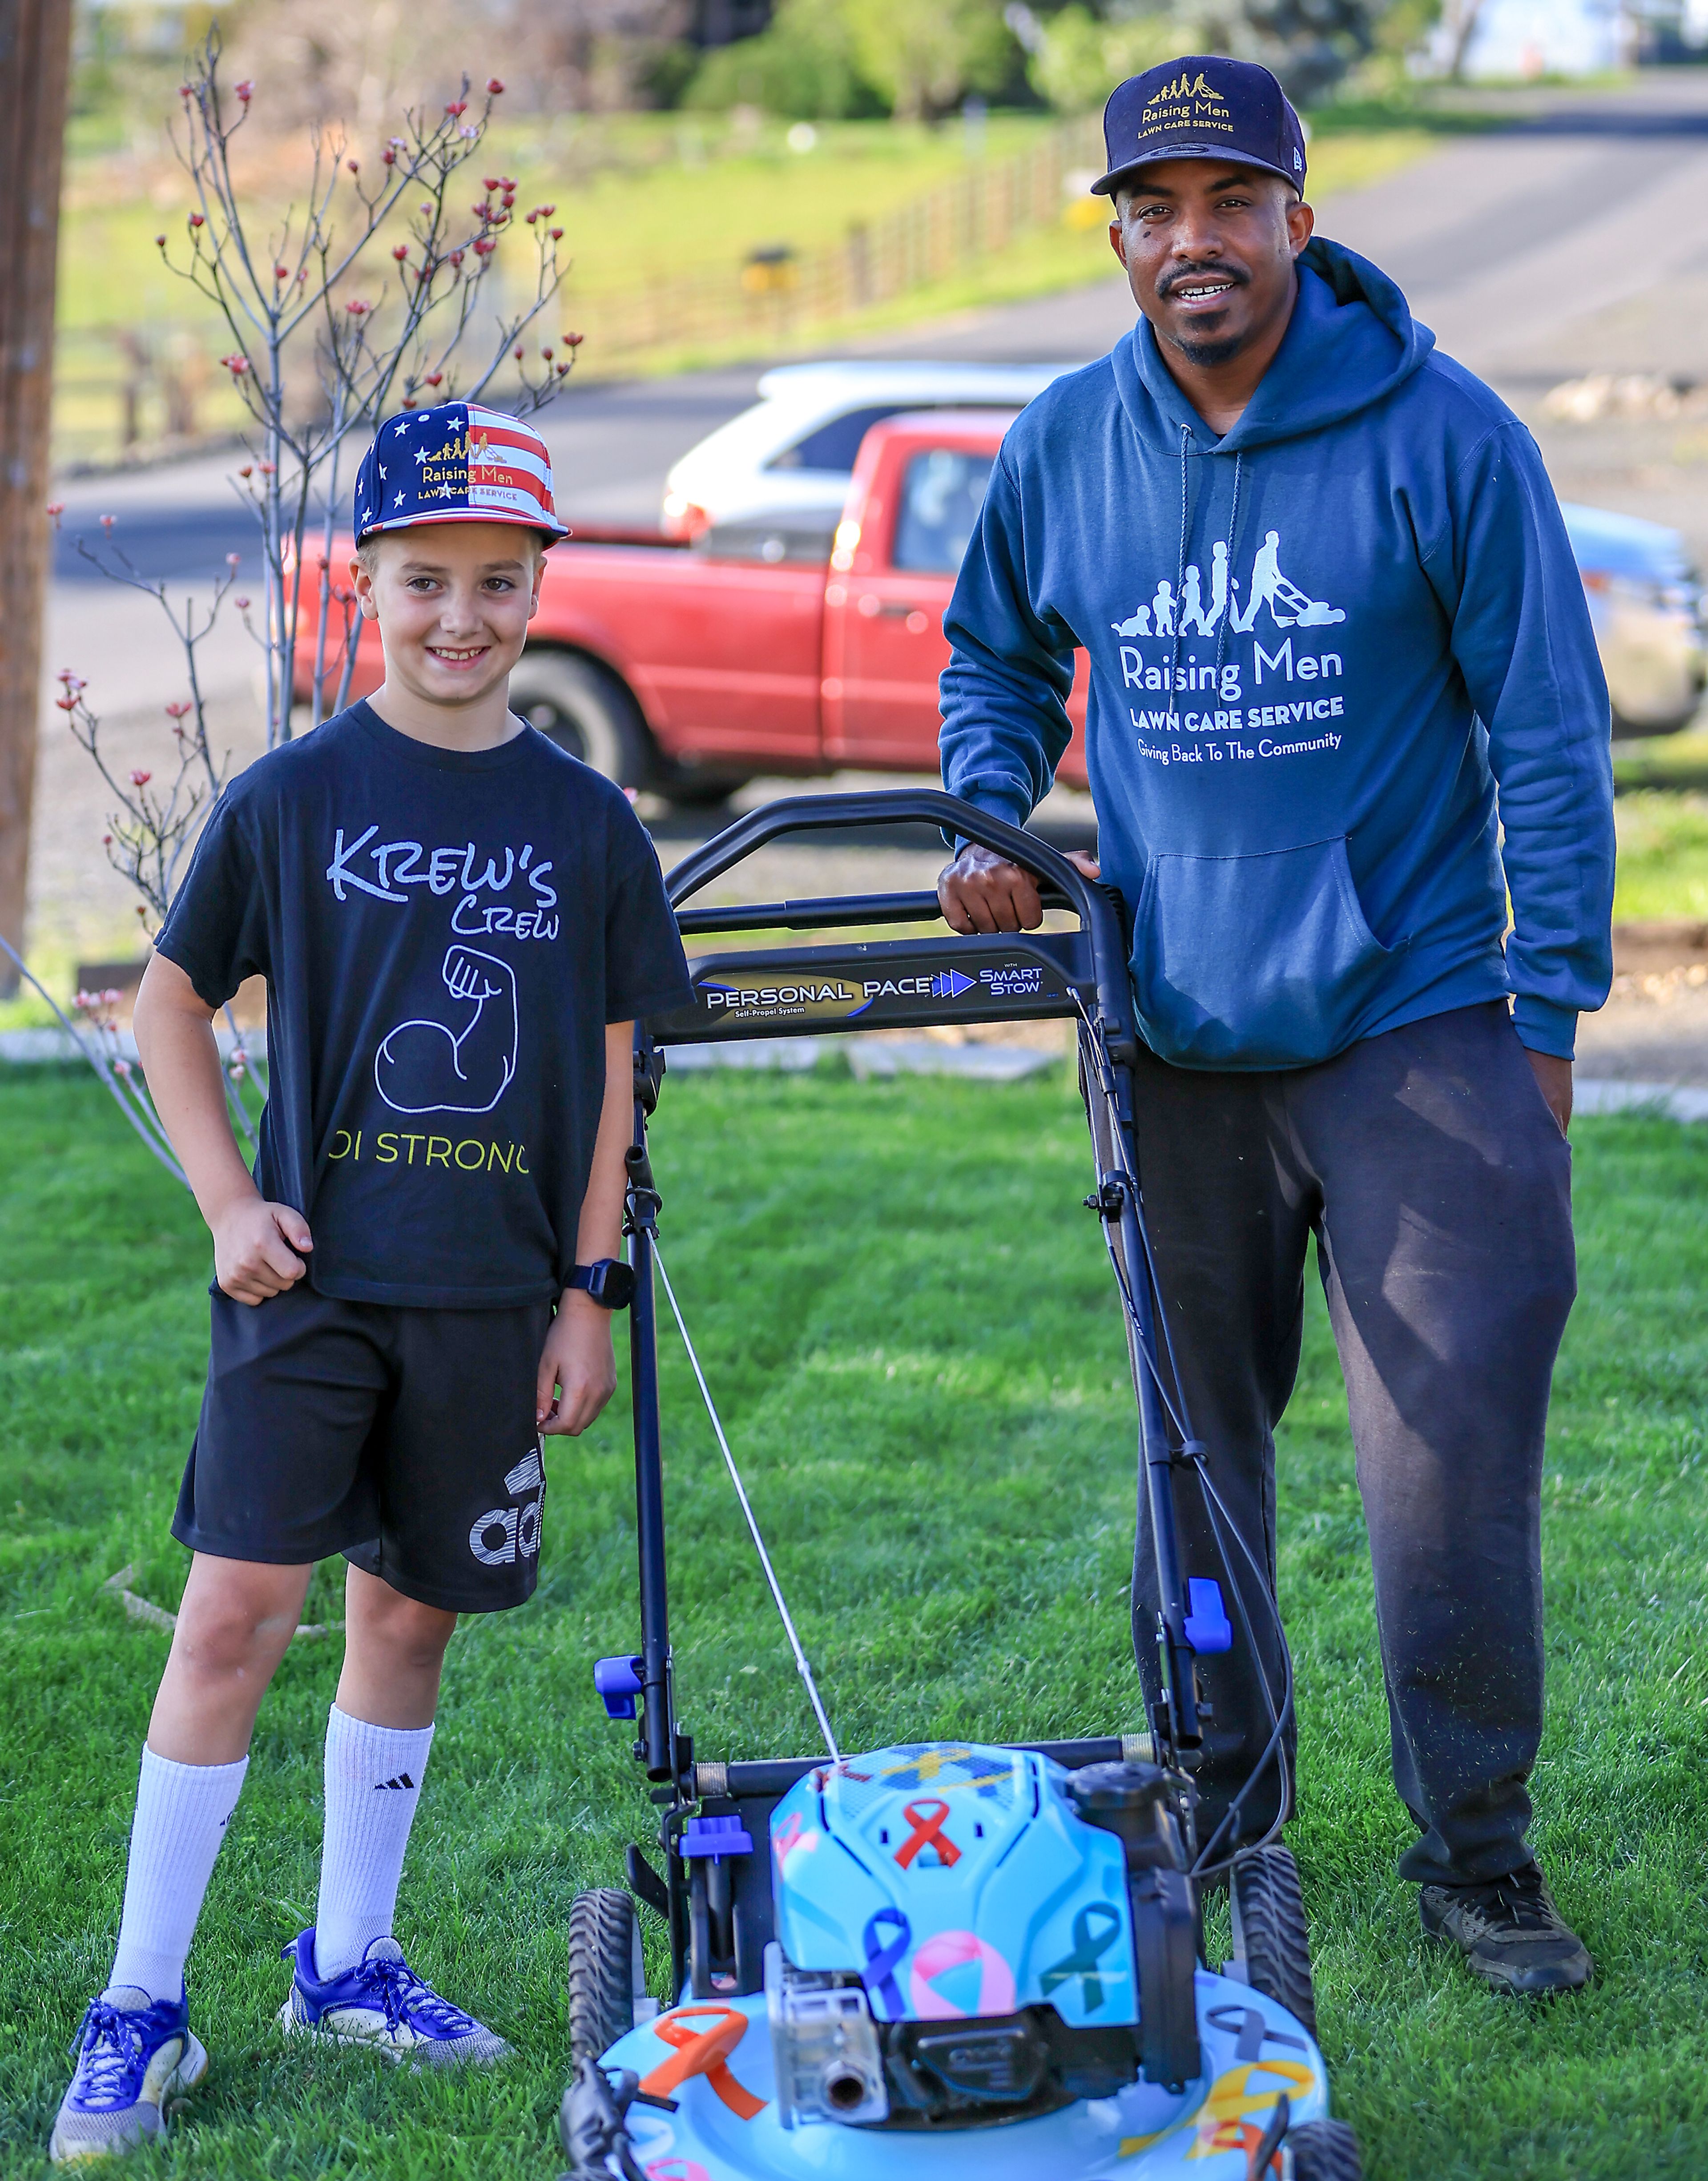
x=703, y=2052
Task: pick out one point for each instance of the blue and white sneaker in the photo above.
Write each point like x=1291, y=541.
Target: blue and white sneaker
x=133, y=2053
x=383, y=2004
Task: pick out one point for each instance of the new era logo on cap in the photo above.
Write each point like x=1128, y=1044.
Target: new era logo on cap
x=1202, y=107
x=456, y=462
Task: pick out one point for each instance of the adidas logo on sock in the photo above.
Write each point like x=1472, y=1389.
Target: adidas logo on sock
x=402, y=1779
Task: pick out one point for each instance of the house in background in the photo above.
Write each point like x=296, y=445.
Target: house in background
x=1525, y=39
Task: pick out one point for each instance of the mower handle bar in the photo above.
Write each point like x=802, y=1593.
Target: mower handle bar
x=1096, y=906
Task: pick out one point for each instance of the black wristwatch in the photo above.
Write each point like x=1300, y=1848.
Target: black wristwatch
x=610, y=1282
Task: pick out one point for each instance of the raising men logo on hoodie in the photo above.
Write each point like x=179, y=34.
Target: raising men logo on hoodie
x=1267, y=592
x=1191, y=614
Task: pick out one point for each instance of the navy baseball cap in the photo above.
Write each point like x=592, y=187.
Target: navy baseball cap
x=1202, y=107
x=456, y=462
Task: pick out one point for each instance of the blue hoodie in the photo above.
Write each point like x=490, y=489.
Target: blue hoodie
x=1364, y=603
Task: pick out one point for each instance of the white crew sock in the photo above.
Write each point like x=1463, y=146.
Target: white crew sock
x=182, y=1811
x=372, y=1785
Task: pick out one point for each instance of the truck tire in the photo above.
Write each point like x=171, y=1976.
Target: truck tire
x=585, y=710
x=1271, y=1939
x=1324, y=2150
x=693, y=787
x=605, y=1973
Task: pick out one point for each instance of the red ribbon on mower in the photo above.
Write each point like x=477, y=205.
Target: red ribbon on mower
x=927, y=1817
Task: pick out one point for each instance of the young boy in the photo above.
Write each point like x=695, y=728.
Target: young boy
x=458, y=924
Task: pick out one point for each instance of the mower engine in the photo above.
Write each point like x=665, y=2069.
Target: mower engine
x=968, y=1933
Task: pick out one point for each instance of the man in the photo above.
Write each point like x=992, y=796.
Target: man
x=1314, y=804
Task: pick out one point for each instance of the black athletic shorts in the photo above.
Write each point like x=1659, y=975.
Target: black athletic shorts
x=403, y=1438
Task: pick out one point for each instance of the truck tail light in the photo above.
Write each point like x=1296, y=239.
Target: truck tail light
x=683, y=517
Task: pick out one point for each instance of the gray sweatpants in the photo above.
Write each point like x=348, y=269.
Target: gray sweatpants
x=1438, y=1186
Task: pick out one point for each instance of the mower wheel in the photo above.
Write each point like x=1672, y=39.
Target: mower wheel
x=1324, y=2150
x=606, y=1972
x=1272, y=1943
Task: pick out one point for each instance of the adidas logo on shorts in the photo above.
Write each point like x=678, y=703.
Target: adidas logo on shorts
x=502, y=1532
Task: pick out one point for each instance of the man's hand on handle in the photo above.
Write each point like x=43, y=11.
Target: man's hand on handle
x=980, y=892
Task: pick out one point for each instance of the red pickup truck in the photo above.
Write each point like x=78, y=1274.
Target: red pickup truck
x=797, y=646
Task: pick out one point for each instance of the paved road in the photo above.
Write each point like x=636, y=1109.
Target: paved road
x=1574, y=239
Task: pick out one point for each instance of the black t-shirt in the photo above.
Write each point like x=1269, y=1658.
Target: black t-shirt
x=444, y=935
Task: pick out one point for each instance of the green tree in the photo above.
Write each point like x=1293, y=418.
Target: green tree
x=1076, y=58
x=805, y=66
x=924, y=55
x=1310, y=44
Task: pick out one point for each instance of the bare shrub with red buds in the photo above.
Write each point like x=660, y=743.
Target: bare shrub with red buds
x=374, y=295
x=148, y=839
x=375, y=292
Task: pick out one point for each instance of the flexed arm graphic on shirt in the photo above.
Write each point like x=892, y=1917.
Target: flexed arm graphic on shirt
x=461, y=1067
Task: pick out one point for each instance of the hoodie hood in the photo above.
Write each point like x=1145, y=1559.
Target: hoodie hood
x=1351, y=342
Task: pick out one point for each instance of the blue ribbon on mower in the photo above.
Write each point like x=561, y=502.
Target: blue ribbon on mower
x=1208, y=1625
x=716, y=1837
x=618, y=1683
x=879, y=1974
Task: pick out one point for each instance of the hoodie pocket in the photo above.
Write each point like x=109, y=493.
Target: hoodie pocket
x=1254, y=961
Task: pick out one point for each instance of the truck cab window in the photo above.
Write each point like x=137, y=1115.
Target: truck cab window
x=942, y=493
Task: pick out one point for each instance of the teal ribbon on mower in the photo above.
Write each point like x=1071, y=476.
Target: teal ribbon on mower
x=1096, y=1929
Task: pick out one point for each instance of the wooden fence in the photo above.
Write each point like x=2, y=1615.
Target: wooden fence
x=777, y=294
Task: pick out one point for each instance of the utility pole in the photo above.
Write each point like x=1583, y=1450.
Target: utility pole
x=35, y=77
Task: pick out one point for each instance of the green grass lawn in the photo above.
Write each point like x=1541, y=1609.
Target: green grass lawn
x=1663, y=853
x=909, y=1323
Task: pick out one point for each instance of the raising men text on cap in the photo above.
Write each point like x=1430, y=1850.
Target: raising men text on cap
x=456, y=462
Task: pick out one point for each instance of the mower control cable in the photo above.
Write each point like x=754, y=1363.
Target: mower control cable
x=1191, y=1455
x=802, y=1664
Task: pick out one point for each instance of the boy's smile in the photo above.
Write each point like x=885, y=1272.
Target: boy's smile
x=453, y=601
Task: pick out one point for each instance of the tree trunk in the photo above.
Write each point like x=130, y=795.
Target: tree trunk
x=1463, y=23
x=35, y=68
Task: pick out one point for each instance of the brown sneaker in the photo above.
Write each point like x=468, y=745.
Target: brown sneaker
x=1509, y=1931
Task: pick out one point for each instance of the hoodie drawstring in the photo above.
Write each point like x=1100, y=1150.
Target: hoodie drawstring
x=1180, y=570
x=1233, y=540
x=1227, y=614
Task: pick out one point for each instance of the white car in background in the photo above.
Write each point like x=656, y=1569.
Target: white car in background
x=791, y=453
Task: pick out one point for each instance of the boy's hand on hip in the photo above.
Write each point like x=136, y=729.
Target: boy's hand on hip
x=577, y=1371
x=981, y=891
x=256, y=1247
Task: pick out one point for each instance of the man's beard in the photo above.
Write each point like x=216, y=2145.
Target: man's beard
x=1208, y=353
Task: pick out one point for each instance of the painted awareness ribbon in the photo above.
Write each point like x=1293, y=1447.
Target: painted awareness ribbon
x=927, y=1817
x=879, y=1974
x=703, y=2052
x=1091, y=1941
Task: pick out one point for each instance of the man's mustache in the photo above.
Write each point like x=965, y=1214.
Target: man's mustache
x=1194, y=276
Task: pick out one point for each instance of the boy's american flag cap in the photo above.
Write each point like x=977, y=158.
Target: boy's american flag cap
x=456, y=462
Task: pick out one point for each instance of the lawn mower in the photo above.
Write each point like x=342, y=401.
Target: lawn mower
x=942, y=1959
